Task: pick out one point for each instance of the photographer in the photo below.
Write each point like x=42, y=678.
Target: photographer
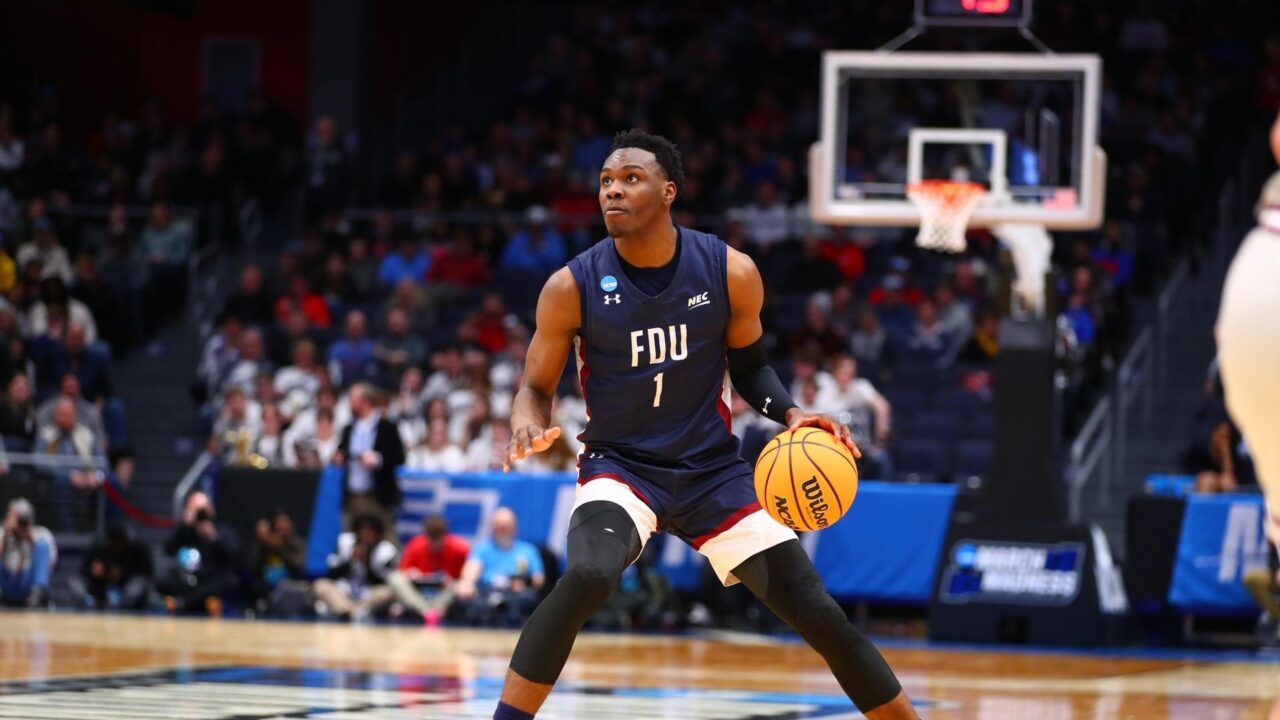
x=115, y=574
x=204, y=555
x=27, y=557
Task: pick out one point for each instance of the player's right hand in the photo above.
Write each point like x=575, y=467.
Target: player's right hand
x=528, y=440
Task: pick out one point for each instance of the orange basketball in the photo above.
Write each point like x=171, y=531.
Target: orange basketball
x=806, y=479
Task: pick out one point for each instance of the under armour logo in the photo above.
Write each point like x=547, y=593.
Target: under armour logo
x=766, y=405
x=614, y=299
x=595, y=456
x=608, y=530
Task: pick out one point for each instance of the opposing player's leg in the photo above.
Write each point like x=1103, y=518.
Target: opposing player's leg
x=607, y=531
x=1249, y=348
x=784, y=579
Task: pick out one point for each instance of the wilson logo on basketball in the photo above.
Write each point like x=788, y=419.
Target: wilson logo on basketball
x=817, y=505
x=783, y=513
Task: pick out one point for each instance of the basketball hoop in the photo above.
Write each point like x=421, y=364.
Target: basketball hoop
x=945, y=208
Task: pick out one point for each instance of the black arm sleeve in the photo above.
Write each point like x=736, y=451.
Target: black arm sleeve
x=758, y=383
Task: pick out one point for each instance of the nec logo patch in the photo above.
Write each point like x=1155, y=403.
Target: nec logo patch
x=699, y=300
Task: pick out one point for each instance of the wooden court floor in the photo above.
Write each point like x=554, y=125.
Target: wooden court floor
x=92, y=667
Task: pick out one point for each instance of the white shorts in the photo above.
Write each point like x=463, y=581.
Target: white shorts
x=1248, y=334
x=726, y=548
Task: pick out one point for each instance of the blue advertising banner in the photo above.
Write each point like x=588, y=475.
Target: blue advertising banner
x=886, y=548
x=1221, y=539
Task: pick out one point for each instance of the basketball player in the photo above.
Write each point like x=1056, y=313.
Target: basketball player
x=661, y=318
x=1249, y=342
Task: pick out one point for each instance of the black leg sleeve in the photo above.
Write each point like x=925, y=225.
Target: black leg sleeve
x=784, y=579
x=602, y=541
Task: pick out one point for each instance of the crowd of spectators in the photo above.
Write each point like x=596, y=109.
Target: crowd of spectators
x=96, y=233
x=429, y=299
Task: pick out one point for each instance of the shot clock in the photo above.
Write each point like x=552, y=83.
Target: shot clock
x=988, y=13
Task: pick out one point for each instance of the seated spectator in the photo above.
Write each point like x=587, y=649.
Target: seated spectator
x=409, y=262
x=954, y=317
x=64, y=437
x=93, y=368
x=536, y=247
x=869, y=413
x=28, y=555
x=204, y=570
x=268, y=446
x=282, y=340
x=1079, y=315
x=984, y=344
x=45, y=249
x=370, y=450
x=868, y=343
x=277, y=566
x=87, y=414
x=893, y=301
x=488, y=451
x=817, y=335
x=53, y=293
x=927, y=340
x=101, y=301
x=437, y=453
x=766, y=220
x=1229, y=466
x=1112, y=256
x=251, y=362
x=361, y=266
x=336, y=285
x=502, y=576
x=168, y=244
x=805, y=366
x=492, y=323
x=407, y=402
x=297, y=384
x=431, y=563
x=356, y=585
x=459, y=267
x=236, y=430
x=313, y=450
x=304, y=423
x=18, y=415
x=302, y=298
x=399, y=348
x=351, y=359
x=115, y=575
x=250, y=301
x=221, y=351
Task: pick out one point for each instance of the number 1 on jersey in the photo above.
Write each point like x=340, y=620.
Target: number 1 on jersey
x=657, y=392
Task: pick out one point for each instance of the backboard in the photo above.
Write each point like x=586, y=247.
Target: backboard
x=1023, y=125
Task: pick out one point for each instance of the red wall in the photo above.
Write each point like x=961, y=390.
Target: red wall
x=107, y=55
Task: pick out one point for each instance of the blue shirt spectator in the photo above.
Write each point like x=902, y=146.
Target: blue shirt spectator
x=408, y=261
x=1081, y=319
x=538, y=248
x=503, y=560
x=351, y=359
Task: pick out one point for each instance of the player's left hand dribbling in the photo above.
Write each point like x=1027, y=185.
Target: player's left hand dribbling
x=527, y=441
x=797, y=418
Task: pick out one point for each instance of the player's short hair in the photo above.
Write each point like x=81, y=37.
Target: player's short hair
x=664, y=150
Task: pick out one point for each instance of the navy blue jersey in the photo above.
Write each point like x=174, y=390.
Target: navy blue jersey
x=653, y=368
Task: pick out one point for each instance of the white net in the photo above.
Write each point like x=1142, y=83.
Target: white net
x=1032, y=248
x=945, y=208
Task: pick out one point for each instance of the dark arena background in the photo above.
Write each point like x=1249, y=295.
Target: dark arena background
x=233, y=232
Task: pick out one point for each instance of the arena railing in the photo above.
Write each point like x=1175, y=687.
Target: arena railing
x=30, y=476
x=1100, y=449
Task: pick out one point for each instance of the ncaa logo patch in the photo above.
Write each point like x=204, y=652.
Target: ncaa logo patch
x=608, y=283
